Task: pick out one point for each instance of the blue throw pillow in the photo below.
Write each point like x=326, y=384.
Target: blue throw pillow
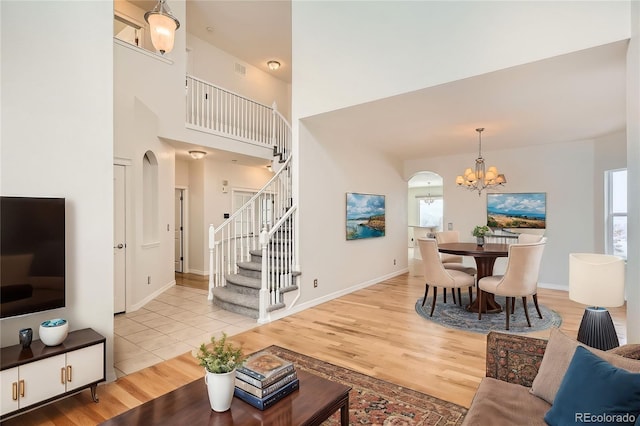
x=594, y=391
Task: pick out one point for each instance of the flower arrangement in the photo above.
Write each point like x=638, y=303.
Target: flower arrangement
x=481, y=231
x=223, y=357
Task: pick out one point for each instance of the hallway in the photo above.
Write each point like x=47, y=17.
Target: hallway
x=175, y=322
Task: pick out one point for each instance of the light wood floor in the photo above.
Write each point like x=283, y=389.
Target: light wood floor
x=375, y=331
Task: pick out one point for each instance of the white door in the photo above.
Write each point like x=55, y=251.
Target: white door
x=179, y=230
x=119, y=240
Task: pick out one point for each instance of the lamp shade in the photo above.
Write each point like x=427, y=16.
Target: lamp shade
x=162, y=26
x=596, y=279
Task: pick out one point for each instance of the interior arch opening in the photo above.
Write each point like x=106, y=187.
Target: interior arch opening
x=425, y=213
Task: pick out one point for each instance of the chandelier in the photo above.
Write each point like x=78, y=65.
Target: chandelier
x=479, y=179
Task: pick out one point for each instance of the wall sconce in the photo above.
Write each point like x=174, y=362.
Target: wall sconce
x=197, y=155
x=162, y=26
x=225, y=186
x=273, y=65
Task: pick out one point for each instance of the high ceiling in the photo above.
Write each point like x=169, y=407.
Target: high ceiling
x=254, y=31
x=578, y=96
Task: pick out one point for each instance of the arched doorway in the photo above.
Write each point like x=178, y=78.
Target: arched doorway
x=425, y=212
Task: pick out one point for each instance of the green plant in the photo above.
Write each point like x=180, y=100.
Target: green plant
x=481, y=231
x=223, y=357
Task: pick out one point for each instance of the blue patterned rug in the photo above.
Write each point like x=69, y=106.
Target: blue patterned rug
x=455, y=316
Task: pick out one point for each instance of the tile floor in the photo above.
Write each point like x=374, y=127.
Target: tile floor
x=175, y=322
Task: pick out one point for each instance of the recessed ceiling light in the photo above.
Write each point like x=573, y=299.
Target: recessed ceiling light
x=273, y=65
x=210, y=29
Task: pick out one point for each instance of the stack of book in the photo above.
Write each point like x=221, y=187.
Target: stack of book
x=265, y=379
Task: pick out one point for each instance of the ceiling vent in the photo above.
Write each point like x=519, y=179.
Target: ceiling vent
x=240, y=69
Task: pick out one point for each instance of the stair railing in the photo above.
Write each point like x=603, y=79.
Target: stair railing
x=279, y=262
x=233, y=240
x=215, y=110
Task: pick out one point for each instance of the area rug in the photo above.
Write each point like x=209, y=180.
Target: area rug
x=376, y=402
x=455, y=316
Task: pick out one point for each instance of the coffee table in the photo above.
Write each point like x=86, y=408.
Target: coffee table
x=315, y=401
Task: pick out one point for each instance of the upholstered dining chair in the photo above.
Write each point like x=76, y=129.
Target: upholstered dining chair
x=452, y=261
x=519, y=280
x=436, y=275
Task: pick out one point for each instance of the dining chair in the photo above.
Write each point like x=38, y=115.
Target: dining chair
x=436, y=275
x=452, y=261
x=519, y=280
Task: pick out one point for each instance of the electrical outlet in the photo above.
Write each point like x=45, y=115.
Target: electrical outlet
x=315, y=283
x=450, y=226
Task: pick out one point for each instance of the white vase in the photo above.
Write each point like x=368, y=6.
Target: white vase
x=220, y=388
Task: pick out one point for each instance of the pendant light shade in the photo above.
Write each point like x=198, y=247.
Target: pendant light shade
x=162, y=26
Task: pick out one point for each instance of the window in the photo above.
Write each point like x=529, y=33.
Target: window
x=431, y=212
x=616, y=212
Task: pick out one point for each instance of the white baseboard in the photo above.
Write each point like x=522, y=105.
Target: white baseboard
x=150, y=297
x=552, y=286
x=197, y=272
x=301, y=307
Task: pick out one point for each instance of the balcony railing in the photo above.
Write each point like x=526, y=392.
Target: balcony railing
x=219, y=111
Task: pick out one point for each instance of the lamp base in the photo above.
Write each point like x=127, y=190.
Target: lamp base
x=597, y=329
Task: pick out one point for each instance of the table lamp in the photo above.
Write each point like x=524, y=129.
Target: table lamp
x=597, y=280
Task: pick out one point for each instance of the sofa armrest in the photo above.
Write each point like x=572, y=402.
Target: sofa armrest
x=513, y=358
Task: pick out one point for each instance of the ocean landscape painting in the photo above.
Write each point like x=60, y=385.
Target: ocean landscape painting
x=517, y=210
x=365, y=216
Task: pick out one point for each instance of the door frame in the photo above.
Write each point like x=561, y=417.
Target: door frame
x=129, y=236
x=185, y=228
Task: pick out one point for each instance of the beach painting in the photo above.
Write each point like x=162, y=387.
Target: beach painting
x=517, y=210
x=365, y=216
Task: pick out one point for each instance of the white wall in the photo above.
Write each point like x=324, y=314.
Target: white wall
x=347, y=53
x=571, y=174
x=372, y=50
x=633, y=178
x=330, y=171
x=207, y=202
x=57, y=140
x=211, y=64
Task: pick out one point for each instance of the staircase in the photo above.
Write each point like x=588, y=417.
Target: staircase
x=242, y=291
x=253, y=254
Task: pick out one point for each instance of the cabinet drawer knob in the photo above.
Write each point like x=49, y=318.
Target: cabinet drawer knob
x=69, y=373
x=14, y=391
x=21, y=386
x=62, y=375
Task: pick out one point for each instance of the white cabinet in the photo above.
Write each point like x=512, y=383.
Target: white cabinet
x=84, y=366
x=29, y=377
x=8, y=390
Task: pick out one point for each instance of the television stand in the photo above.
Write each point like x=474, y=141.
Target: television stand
x=41, y=374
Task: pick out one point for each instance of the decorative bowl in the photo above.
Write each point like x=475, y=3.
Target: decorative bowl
x=53, y=332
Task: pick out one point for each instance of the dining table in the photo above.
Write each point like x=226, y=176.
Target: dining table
x=485, y=257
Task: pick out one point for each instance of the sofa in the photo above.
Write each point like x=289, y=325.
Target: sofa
x=530, y=379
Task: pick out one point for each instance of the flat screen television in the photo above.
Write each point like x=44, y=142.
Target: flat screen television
x=32, y=255
x=517, y=210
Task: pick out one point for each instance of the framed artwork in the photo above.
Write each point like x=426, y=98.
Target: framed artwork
x=365, y=216
x=517, y=210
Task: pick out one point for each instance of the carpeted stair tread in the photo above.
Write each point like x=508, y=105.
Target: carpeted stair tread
x=240, y=303
x=251, y=266
x=244, y=281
